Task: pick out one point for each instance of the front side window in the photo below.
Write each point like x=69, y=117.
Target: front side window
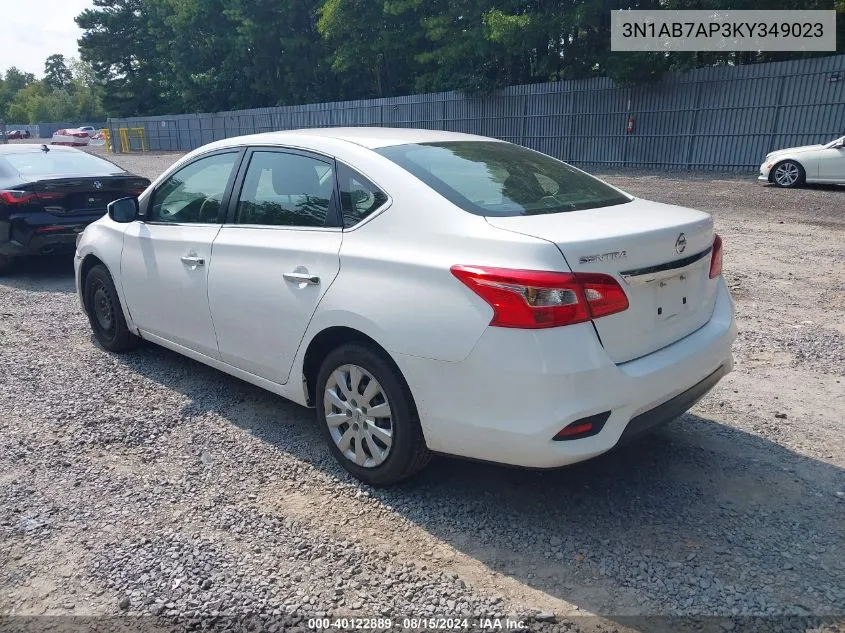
x=282, y=189
x=194, y=193
x=358, y=196
x=496, y=179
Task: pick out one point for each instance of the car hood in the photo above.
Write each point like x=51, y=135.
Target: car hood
x=794, y=150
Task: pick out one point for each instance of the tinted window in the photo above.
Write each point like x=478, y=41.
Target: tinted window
x=501, y=179
x=60, y=163
x=282, y=189
x=195, y=192
x=358, y=196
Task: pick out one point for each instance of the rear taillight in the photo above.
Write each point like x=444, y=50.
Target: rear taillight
x=604, y=295
x=13, y=197
x=539, y=299
x=716, y=258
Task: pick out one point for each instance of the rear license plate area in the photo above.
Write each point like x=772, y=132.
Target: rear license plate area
x=672, y=297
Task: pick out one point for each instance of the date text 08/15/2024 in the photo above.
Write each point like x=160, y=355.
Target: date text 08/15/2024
x=417, y=624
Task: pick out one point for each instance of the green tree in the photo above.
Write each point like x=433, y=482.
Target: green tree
x=379, y=60
x=17, y=114
x=83, y=72
x=119, y=44
x=196, y=42
x=56, y=72
x=18, y=80
x=285, y=58
x=158, y=56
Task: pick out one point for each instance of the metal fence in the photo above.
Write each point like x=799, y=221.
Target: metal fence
x=709, y=118
x=46, y=130
x=26, y=127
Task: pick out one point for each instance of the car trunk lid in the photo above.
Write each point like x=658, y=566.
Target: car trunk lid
x=660, y=255
x=84, y=195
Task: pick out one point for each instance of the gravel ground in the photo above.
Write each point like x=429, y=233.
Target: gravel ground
x=148, y=484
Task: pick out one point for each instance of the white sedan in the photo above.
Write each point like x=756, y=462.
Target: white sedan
x=427, y=292
x=72, y=137
x=807, y=164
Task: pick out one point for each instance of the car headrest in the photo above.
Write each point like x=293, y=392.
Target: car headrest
x=298, y=177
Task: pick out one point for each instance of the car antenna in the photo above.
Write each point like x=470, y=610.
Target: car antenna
x=44, y=147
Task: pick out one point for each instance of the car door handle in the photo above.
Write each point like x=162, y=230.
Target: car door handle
x=302, y=278
x=192, y=260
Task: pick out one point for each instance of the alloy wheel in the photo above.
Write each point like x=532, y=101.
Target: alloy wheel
x=787, y=174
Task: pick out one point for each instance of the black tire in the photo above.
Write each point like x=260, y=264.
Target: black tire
x=788, y=167
x=104, y=312
x=5, y=263
x=408, y=452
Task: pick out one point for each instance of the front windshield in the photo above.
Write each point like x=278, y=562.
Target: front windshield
x=838, y=141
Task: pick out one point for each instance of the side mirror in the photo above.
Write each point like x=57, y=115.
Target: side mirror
x=123, y=210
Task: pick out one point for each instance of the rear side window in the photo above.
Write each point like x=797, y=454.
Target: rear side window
x=282, y=189
x=60, y=163
x=359, y=197
x=500, y=179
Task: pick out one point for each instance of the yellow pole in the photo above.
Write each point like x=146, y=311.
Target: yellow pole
x=125, y=146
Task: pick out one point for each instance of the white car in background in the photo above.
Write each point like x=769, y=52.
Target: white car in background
x=808, y=164
x=72, y=137
x=426, y=291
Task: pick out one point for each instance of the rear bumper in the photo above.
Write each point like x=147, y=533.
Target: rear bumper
x=41, y=233
x=517, y=389
x=650, y=420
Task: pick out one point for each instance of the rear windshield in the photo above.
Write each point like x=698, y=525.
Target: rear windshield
x=500, y=179
x=60, y=163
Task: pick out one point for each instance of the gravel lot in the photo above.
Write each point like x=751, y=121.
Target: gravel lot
x=151, y=484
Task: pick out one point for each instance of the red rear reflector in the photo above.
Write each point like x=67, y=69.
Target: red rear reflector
x=51, y=229
x=539, y=299
x=583, y=427
x=716, y=257
x=578, y=429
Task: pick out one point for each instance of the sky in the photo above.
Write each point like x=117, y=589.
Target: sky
x=35, y=29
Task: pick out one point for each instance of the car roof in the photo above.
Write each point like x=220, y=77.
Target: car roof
x=33, y=147
x=369, y=137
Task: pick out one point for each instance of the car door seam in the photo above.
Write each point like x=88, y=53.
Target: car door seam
x=207, y=290
x=314, y=312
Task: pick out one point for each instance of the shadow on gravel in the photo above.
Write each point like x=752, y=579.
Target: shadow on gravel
x=825, y=187
x=698, y=517
x=48, y=273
